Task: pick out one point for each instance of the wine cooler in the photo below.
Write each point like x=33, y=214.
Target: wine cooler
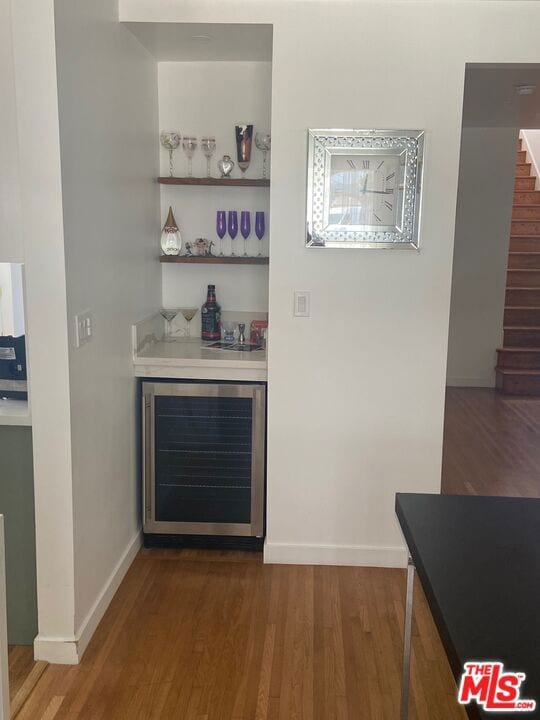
x=203, y=458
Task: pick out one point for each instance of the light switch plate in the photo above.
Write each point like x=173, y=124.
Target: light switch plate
x=301, y=303
x=83, y=328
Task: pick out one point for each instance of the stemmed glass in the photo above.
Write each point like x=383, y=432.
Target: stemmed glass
x=245, y=228
x=221, y=228
x=170, y=140
x=260, y=227
x=263, y=142
x=233, y=227
x=168, y=314
x=208, y=146
x=189, y=314
x=189, y=145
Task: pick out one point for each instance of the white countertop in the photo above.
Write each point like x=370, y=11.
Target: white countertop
x=189, y=359
x=15, y=412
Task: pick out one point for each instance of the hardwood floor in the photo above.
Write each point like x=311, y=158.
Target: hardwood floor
x=21, y=662
x=205, y=636
x=491, y=444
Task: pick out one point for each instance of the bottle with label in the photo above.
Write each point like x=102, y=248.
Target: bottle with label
x=211, y=317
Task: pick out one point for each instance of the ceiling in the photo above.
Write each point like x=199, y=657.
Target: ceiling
x=490, y=98
x=185, y=42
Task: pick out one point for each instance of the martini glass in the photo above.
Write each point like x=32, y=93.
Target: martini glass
x=169, y=314
x=189, y=314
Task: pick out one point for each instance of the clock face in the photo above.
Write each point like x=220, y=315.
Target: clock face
x=364, y=190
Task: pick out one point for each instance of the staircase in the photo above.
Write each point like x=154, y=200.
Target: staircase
x=518, y=361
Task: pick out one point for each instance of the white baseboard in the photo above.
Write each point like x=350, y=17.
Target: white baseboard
x=69, y=651
x=359, y=555
x=470, y=382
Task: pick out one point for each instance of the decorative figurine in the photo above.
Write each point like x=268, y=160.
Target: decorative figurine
x=202, y=247
x=226, y=166
x=189, y=252
x=171, y=239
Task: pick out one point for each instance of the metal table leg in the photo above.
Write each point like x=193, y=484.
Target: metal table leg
x=406, y=672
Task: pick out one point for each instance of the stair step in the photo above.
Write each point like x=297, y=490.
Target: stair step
x=521, y=316
x=523, y=170
x=527, y=198
x=522, y=336
x=524, y=184
x=522, y=278
x=521, y=156
x=525, y=227
x=525, y=212
x=518, y=358
x=524, y=244
x=523, y=297
x=519, y=144
x=518, y=382
x=524, y=261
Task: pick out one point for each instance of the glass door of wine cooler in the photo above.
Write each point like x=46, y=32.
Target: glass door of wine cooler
x=203, y=458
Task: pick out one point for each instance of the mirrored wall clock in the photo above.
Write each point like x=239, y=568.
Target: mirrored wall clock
x=364, y=188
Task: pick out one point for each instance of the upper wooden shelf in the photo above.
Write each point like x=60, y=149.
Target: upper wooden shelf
x=214, y=259
x=219, y=182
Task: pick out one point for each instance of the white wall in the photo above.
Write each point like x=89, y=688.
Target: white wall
x=47, y=341
x=484, y=211
x=209, y=98
x=356, y=415
x=11, y=246
x=107, y=88
x=532, y=145
x=11, y=300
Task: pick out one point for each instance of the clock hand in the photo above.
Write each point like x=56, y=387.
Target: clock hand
x=379, y=192
x=365, y=184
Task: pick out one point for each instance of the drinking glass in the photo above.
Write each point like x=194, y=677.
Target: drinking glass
x=263, y=142
x=170, y=140
x=233, y=228
x=245, y=228
x=169, y=314
x=189, y=145
x=260, y=227
x=189, y=314
x=208, y=146
x=221, y=228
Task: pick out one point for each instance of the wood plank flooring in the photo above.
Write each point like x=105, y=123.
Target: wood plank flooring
x=491, y=444
x=197, y=635
x=20, y=662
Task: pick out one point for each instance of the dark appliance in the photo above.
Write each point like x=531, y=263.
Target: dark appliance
x=13, y=383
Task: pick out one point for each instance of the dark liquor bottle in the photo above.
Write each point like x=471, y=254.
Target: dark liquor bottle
x=211, y=317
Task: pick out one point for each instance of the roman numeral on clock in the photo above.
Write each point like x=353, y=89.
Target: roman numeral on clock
x=377, y=217
x=365, y=164
x=351, y=163
x=388, y=205
x=389, y=177
x=379, y=166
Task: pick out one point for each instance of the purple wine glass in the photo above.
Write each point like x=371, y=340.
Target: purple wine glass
x=245, y=228
x=260, y=227
x=233, y=227
x=221, y=228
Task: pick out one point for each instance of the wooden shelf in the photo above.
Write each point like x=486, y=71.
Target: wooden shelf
x=219, y=182
x=213, y=260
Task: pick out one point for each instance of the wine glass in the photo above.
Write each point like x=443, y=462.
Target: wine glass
x=233, y=227
x=189, y=145
x=260, y=227
x=189, y=314
x=245, y=228
x=221, y=228
x=208, y=146
x=169, y=314
x=263, y=142
x=170, y=140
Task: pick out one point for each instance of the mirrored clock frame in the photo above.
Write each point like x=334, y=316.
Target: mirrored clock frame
x=364, y=188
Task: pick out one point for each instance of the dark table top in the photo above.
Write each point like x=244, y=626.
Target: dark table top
x=478, y=559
